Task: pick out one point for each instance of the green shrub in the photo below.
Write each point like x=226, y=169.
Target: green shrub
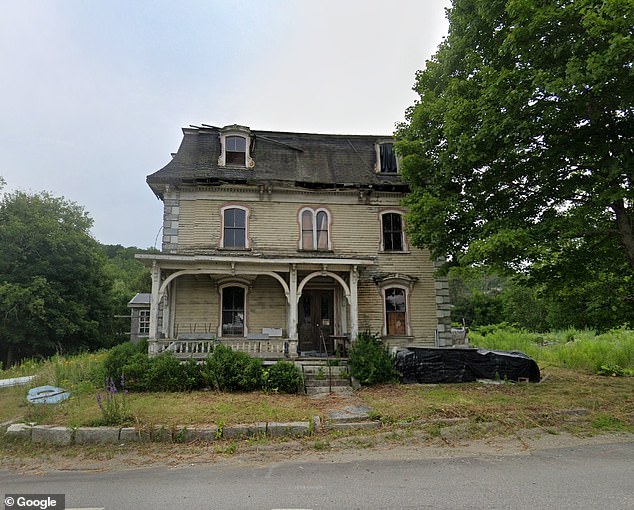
x=135, y=371
x=283, y=377
x=116, y=358
x=166, y=373
x=227, y=370
x=370, y=361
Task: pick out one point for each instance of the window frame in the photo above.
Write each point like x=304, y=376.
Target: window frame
x=240, y=132
x=223, y=226
x=221, y=305
x=406, y=313
x=314, y=229
x=144, y=321
x=401, y=214
x=378, y=166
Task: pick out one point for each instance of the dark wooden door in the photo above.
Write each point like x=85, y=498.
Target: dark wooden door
x=316, y=320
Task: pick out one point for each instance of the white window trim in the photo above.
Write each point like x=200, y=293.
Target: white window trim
x=247, y=212
x=406, y=288
x=220, y=304
x=235, y=130
x=301, y=229
x=403, y=236
x=377, y=165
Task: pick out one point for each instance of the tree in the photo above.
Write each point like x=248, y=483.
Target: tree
x=54, y=292
x=521, y=144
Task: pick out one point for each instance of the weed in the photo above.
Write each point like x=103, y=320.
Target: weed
x=608, y=422
x=321, y=445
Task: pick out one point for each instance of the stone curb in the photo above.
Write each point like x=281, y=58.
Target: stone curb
x=48, y=434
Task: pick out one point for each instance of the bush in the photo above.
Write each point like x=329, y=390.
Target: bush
x=283, y=377
x=227, y=370
x=166, y=373
x=370, y=361
x=117, y=358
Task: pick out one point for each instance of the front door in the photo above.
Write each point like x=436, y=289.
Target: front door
x=316, y=321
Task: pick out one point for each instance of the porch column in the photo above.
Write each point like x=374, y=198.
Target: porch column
x=154, y=306
x=354, y=304
x=292, y=311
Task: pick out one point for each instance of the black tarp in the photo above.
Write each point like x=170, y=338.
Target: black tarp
x=427, y=365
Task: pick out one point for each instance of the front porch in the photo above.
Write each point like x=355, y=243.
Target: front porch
x=268, y=308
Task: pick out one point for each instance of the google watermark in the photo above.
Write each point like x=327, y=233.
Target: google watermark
x=34, y=501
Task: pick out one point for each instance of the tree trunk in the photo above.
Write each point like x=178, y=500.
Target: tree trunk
x=624, y=224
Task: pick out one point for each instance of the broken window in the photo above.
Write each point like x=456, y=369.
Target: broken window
x=392, y=227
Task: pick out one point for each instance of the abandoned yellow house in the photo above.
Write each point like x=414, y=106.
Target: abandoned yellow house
x=287, y=245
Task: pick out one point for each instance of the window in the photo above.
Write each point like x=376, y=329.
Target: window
x=232, y=311
x=144, y=322
x=392, y=231
x=314, y=229
x=234, y=227
x=236, y=146
x=235, y=150
x=395, y=311
x=388, y=158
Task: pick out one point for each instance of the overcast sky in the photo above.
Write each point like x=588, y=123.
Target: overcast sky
x=93, y=94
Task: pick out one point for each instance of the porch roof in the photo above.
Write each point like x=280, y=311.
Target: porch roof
x=175, y=261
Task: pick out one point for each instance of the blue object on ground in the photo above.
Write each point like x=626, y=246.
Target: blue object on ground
x=47, y=395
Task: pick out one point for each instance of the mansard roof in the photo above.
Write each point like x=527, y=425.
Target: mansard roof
x=307, y=160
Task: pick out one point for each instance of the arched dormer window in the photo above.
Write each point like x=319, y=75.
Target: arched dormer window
x=236, y=146
x=314, y=230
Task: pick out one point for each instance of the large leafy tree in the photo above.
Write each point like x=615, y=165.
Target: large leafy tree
x=522, y=140
x=520, y=148
x=55, y=294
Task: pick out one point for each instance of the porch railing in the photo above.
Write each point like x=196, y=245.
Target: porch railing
x=200, y=348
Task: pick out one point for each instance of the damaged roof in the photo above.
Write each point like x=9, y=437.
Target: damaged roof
x=299, y=159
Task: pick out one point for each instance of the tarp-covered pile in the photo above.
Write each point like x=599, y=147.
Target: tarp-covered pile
x=424, y=365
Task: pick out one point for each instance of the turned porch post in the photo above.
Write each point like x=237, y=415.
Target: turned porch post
x=154, y=305
x=354, y=304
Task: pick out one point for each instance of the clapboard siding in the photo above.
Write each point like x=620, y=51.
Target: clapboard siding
x=267, y=305
x=196, y=299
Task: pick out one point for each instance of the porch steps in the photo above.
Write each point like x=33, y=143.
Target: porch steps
x=319, y=378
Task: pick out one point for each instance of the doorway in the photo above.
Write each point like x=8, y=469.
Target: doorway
x=316, y=321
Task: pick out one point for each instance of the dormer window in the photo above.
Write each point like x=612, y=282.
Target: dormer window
x=236, y=150
x=236, y=145
x=387, y=162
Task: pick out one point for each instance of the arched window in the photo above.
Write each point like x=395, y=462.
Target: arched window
x=236, y=150
x=315, y=229
x=395, y=311
x=234, y=227
x=233, y=299
x=392, y=232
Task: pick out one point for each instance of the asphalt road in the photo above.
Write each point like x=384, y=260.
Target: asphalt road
x=585, y=477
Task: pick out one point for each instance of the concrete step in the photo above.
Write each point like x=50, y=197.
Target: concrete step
x=321, y=390
x=315, y=383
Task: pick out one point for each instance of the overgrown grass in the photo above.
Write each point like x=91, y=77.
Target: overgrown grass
x=607, y=402
x=574, y=349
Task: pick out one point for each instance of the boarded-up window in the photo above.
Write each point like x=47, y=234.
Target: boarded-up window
x=233, y=311
x=395, y=311
x=235, y=228
x=392, y=225
x=235, y=150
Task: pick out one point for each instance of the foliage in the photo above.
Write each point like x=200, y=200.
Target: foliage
x=519, y=149
x=166, y=373
x=370, y=361
x=282, y=377
x=228, y=370
x=129, y=276
x=118, y=357
x=113, y=404
x=574, y=349
x=54, y=289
